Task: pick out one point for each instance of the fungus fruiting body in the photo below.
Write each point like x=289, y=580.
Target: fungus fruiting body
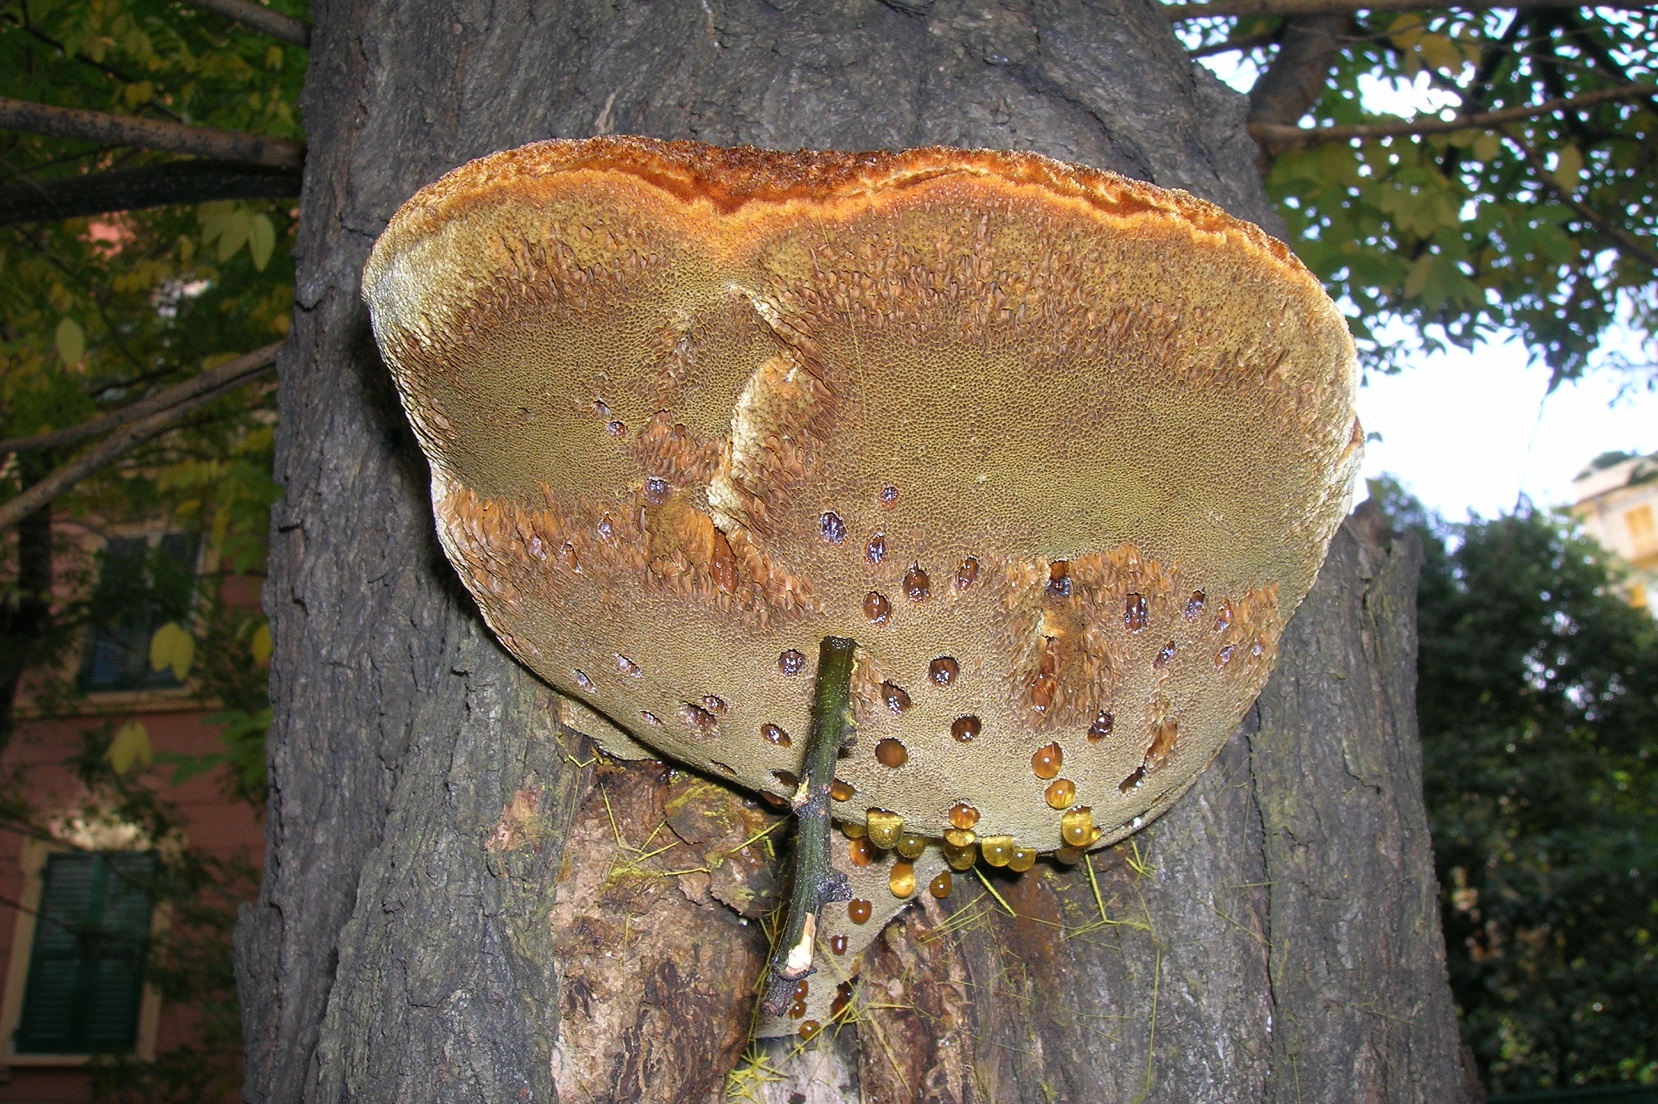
x=1058, y=450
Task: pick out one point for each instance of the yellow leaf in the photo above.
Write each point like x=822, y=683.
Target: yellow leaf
x=71, y=342
x=1417, y=278
x=1441, y=53
x=131, y=745
x=237, y=227
x=1405, y=30
x=1568, y=168
x=171, y=648
x=261, y=241
x=261, y=645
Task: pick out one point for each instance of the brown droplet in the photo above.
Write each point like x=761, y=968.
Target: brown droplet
x=967, y=574
x=607, y=531
x=1022, y=859
x=843, y=998
x=615, y=429
x=831, y=527
x=781, y=804
x=809, y=1029
x=895, y=697
x=997, y=850
x=1102, y=726
x=916, y=584
x=911, y=845
x=1068, y=854
x=1194, y=606
x=902, y=879
x=853, y=829
x=965, y=729
x=857, y=910
x=891, y=753
x=1132, y=780
x=889, y=496
x=837, y=943
x=651, y=718
x=722, y=567
x=1223, y=619
x=877, y=608
x=1164, y=654
x=1134, y=612
x=1224, y=656
x=961, y=856
x=797, y=1009
x=656, y=490
x=1076, y=827
x=1061, y=792
x=1045, y=684
x=943, y=670
x=774, y=735
x=791, y=662
x=1162, y=742
x=582, y=680
x=567, y=557
x=860, y=851
x=841, y=790
x=537, y=549
x=1059, y=579
x=1045, y=761
x=876, y=550
x=714, y=704
x=802, y=990
x=727, y=769
x=699, y=718
x=787, y=778
x=601, y=408
x=627, y=666
x=963, y=815
x=941, y=885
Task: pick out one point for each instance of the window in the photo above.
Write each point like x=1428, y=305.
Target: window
x=143, y=583
x=1641, y=529
x=85, y=985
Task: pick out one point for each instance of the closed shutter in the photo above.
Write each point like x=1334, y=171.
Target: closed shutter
x=86, y=969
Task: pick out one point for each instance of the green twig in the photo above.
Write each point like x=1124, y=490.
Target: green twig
x=814, y=882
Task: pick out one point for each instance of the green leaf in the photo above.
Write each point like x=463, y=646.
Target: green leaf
x=130, y=746
x=1417, y=278
x=1568, y=168
x=71, y=342
x=261, y=241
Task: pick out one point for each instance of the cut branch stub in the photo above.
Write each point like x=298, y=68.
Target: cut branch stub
x=1062, y=451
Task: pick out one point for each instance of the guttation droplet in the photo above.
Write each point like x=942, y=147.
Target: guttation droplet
x=1045, y=761
x=787, y=778
x=967, y=574
x=841, y=790
x=774, y=735
x=582, y=680
x=941, y=885
x=1164, y=654
x=1102, y=726
x=889, y=496
x=615, y=429
x=963, y=815
x=965, y=729
x=860, y=851
x=809, y=1029
x=943, y=670
x=656, y=490
x=714, y=704
x=832, y=527
x=1132, y=780
x=1059, y=579
x=1194, y=605
x=1225, y=655
x=876, y=608
x=1061, y=792
x=791, y=662
x=1223, y=620
x=837, y=943
x=896, y=698
x=891, y=753
x=902, y=879
x=916, y=584
x=857, y=910
x=1134, y=612
x=651, y=718
x=876, y=550
x=628, y=667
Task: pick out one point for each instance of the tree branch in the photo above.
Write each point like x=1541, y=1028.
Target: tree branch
x=1279, y=138
x=1309, y=48
x=160, y=413
x=135, y=189
x=1247, y=42
x=256, y=17
x=1179, y=12
x=126, y=130
x=1625, y=240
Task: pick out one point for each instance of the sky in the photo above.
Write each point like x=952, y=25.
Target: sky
x=1472, y=431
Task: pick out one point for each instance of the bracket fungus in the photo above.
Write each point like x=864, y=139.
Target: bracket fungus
x=1052, y=454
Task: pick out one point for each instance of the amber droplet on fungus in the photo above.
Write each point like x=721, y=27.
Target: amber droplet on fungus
x=941, y=885
x=1045, y=761
x=857, y=910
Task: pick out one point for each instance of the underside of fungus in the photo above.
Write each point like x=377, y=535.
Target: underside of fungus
x=1055, y=452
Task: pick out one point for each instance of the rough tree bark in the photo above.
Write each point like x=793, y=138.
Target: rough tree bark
x=458, y=905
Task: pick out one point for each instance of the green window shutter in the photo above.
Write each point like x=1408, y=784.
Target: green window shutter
x=86, y=969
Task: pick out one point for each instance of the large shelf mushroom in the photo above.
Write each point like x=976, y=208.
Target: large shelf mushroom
x=1060, y=451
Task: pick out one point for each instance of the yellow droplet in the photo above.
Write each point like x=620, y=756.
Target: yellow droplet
x=902, y=879
x=963, y=815
x=1022, y=859
x=959, y=837
x=1060, y=793
x=853, y=830
x=1068, y=854
x=961, y=858
x=997, y=850
x=884, y=828
x=941, y=885
x=910, y=845
x=1076, y=827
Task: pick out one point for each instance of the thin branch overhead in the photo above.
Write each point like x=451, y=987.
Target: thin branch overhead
x=1214, y=8
x=1278, y=137
x=187, y=181
x=256, y=17
x=1625, y=240
x=154, y=416
x=126, y=130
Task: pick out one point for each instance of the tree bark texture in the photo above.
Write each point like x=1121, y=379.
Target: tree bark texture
x=459, y=904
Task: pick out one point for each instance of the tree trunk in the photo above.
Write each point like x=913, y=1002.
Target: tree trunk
x=459, y=905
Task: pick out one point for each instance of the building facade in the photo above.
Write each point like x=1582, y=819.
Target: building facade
x=1616, y=500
